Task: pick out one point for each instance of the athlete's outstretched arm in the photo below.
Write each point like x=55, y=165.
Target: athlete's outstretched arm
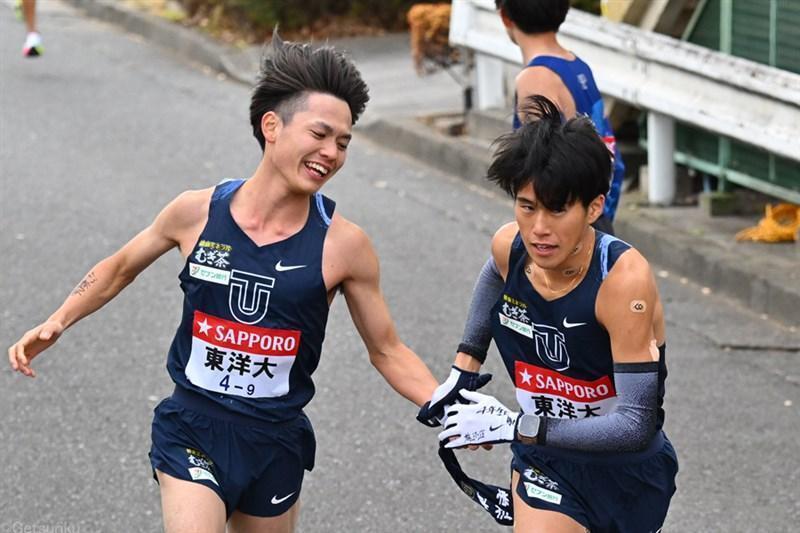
x=102, y=283
x=488, y=288
x=477, y=335
x=400, y=366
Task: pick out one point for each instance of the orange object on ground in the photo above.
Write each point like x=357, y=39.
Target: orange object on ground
x=429, y=31
x=780, y=224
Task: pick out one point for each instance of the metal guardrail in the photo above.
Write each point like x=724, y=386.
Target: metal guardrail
x=672, y=79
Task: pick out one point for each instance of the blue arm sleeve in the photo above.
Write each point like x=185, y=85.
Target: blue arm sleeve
x=478, y=329
x=630, y=427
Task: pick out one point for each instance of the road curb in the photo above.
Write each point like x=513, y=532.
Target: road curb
x=748, y=280
x=184, y=42
x=412, y=137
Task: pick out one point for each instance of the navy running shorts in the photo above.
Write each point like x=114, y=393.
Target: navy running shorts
x=620, y=493
x=255, y=467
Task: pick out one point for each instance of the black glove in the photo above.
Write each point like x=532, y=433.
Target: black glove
x=446, y=394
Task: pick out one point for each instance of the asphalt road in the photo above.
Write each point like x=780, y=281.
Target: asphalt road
x=101, y=132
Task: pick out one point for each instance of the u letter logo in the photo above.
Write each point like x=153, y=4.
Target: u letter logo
x=551, y=347
x=248, y=296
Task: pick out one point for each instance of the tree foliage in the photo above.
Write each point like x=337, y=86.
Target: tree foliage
x=260, y=16
x=254, y=20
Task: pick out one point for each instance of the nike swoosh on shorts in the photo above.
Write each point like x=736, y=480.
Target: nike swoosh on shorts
x=275, y=500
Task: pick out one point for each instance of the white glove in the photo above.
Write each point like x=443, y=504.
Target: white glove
x=486, y=421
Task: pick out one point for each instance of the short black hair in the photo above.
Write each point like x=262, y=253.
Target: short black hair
x=291, y=71
x=535, y=16
x=565, y=161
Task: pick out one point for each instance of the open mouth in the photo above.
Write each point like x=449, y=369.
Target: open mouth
x=317, y=169
x=545, y=248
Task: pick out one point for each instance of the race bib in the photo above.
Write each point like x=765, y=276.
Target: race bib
x=232, y=358
x=544, y=392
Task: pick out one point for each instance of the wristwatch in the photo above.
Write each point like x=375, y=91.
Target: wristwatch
x=528, y=428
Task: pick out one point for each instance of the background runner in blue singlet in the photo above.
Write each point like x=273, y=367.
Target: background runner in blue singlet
x=580, y=327
x=553, y=71
x=264, y=258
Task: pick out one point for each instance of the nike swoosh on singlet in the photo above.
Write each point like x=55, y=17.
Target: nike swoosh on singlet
x=281, y=268
x=495, y=428
x=275, y=500
x=572, y=324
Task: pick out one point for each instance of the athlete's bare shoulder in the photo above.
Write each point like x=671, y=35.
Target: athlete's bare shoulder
x=629, y=294
x=347, y=253
x=537, y=76
x=346, y=235
x=190, y=206
x=183, y=219
x=501, y=246
x=541, y=80
x=630, y=267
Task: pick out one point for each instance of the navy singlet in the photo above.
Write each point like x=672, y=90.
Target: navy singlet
x=253, y=316
x=556, y=353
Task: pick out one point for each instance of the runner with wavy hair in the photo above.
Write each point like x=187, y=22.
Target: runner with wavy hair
x=579, y=324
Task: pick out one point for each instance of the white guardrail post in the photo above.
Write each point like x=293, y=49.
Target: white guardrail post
x=660, y=159
x=489, y=82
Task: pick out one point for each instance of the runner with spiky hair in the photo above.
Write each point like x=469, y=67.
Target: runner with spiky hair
x=264, y=258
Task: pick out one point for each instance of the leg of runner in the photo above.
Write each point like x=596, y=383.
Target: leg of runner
x=33, y=41
x=189, y=507
x=245, y=523
x=29, y=13
x=527, y=518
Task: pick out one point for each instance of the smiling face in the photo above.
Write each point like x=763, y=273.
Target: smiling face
x=311, y=146
x=551, y=237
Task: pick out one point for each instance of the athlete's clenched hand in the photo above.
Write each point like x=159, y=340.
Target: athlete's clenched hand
x=446, y=394
x=32, y=343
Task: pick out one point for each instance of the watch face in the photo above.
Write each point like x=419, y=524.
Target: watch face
x=529, y=426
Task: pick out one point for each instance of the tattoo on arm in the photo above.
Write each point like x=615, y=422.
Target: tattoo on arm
x=85, y=283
